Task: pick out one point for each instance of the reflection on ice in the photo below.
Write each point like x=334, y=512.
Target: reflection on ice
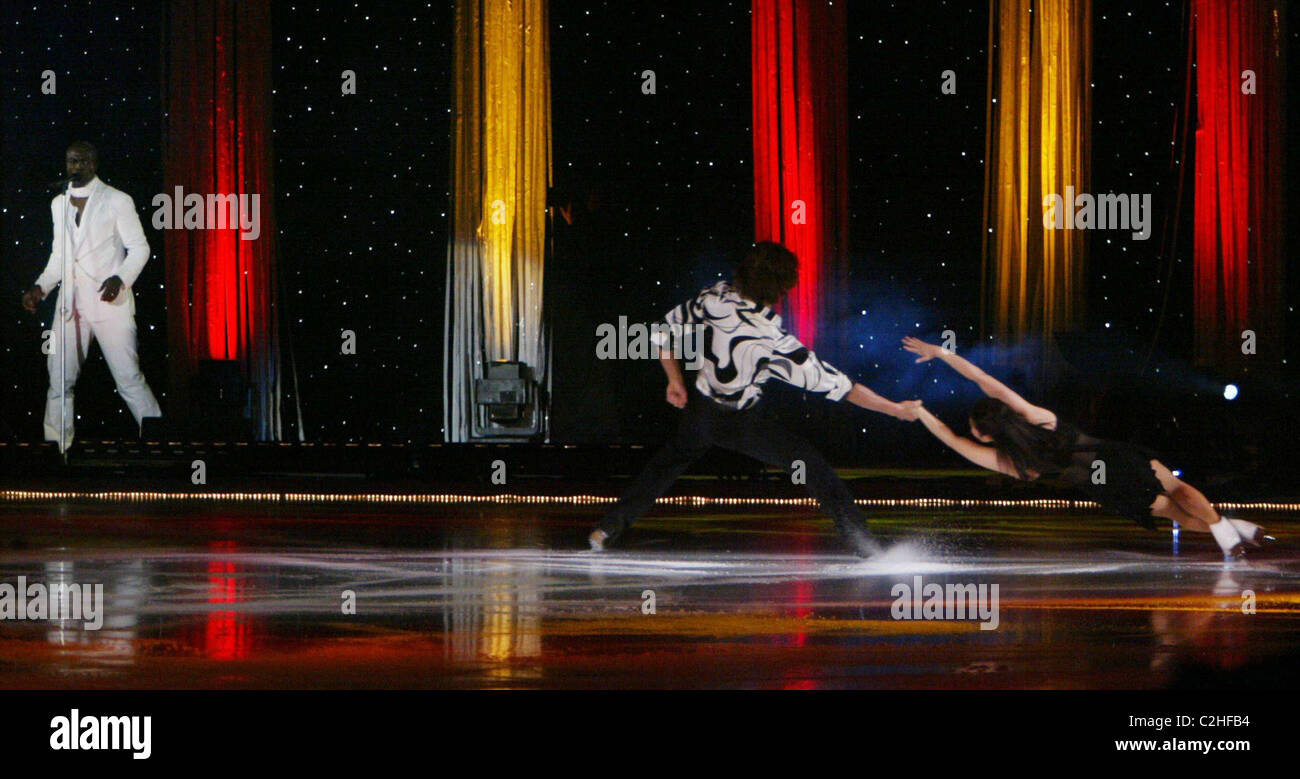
x=507, y=614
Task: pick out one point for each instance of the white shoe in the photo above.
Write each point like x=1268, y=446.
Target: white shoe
x=1229, y=540
x=1250, y=532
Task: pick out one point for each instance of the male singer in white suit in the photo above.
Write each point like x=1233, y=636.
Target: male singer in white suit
x=96, y=228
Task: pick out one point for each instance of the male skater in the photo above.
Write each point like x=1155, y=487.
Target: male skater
x=97, y=230
x=743, y=346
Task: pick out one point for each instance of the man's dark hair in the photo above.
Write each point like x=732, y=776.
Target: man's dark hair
x=85, y=147
x=767, y=272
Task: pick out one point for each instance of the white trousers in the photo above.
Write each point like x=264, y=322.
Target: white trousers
x=114, y=328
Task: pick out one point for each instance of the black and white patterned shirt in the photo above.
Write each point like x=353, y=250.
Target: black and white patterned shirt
x=743, y=345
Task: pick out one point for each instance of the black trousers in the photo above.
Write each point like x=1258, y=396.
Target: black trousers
x=752, y=432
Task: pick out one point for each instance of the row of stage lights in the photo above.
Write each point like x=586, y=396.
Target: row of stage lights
x=691, y=500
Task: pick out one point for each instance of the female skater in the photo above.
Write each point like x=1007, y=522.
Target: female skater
x=1030, y=443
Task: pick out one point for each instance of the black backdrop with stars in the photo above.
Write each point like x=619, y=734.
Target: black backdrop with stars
x=363, y=196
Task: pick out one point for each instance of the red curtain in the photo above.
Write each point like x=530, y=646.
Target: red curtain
x=1239, y=163
x=801, y=188
x=220, y=287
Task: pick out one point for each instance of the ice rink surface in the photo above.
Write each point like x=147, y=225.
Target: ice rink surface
x=470, y=596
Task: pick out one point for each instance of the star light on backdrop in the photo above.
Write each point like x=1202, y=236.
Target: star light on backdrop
x=363, y=210
x=362, y=189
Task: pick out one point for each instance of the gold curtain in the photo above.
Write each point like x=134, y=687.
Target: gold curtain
x=1040, y=143
x=501, y=171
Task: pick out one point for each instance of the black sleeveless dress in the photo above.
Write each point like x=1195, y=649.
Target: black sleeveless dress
x=1129, y=486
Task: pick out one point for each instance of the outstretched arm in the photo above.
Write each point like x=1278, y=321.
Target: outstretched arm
x=987, y=384
x=796, y=364
x=863, y=397
x=983, y=456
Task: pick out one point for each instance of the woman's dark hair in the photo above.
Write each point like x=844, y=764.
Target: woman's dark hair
x=767, y=272
x=1020, y=443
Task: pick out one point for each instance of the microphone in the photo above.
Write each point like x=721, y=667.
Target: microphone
x=62, y=183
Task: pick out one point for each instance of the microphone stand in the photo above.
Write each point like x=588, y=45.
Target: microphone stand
x=64, y=295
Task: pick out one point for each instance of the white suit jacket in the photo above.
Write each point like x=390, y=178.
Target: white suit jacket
x=109, y=242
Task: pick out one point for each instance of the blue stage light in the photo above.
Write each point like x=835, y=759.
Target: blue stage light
x=1230, y=392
